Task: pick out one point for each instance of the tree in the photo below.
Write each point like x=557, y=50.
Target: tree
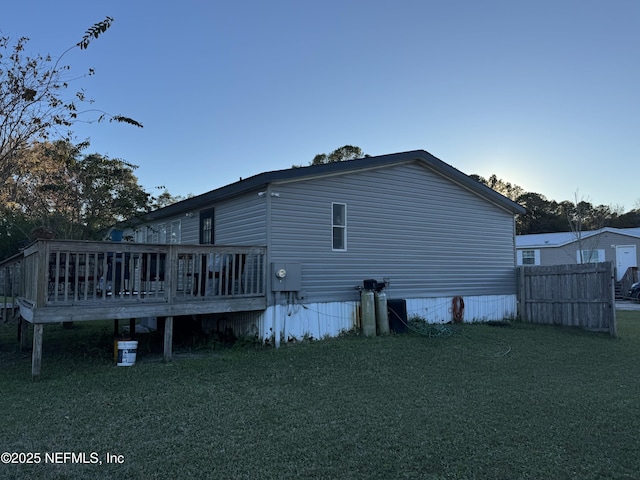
x=511, y=191
x=583, y=217
x=57, y=189
x=33, y=102
x=43, y=189
x=108, y=193
x=546, y=216
x=165, y=199
x=630, y=219
x=13, y=226
x=536, y=219
x=347, y=152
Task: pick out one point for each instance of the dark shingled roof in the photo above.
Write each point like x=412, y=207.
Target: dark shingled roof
x=261, y=180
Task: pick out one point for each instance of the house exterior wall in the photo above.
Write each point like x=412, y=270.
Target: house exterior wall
x=242, y=220
x=605, y=242
x=190, y=228
x=427, y=235
x=430, y=237
x=239, y=221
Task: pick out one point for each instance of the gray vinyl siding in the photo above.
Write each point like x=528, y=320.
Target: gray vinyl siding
x=559, y=255
x=241, y=221
x=566, y=254
x=429, y=236
x=190, y=228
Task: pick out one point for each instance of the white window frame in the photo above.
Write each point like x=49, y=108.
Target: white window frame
x=162, y=233
x=521, y=257
x=176, y=232
x=339, y=226
x=151, y=233
x=590, y=255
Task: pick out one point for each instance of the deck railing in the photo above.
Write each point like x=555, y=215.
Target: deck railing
x=9, y=283
x=82, y=273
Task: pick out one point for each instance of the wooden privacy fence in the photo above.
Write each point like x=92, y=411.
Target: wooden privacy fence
x=569, y=295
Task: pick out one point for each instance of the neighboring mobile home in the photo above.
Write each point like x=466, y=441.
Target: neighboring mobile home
x=618, y=245
x=428, y=230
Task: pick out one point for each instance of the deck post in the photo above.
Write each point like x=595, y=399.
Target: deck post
x=23, y=336
x=36, y=356
x=168, y=338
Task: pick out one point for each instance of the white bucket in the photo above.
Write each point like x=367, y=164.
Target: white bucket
x=127, y=353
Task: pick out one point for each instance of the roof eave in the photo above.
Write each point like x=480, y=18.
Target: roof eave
x=262, y=180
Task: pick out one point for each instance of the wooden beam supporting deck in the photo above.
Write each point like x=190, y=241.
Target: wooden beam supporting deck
x=72, y=281
x=168, y=338
x=36, y=356
x=23, y=334
x=132, y=328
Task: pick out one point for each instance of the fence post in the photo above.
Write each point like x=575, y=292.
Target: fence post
x=521, y=295
x=613, y=325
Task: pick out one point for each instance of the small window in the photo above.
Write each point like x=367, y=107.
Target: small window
x=528, y=257
x=590, y=256
x=162, y=233
x=152, y=234
x=206, y=227
x=176, y=232
x=339, y=226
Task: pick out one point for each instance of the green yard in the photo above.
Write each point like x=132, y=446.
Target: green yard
x=519, y=402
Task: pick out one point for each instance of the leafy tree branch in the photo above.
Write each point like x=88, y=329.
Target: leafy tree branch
x=34, y=106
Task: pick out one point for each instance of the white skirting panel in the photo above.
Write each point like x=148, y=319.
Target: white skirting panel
x=319, y=320
x=313, y=320
x=476, y=309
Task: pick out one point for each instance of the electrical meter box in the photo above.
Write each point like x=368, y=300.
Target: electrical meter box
x=286, y=277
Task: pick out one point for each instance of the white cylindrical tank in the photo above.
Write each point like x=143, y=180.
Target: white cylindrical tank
x=368, y=313
x=382, y=315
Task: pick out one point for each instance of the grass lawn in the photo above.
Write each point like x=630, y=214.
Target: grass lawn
x=519, y=402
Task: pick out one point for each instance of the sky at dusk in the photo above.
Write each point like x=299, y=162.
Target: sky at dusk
x=544, y=94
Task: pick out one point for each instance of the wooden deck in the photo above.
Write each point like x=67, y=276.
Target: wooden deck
x=68, y=281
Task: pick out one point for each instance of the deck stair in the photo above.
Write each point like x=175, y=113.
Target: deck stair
x=619, y=294
x=624, y=284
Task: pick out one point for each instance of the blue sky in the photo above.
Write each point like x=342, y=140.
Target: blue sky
x=545, y=93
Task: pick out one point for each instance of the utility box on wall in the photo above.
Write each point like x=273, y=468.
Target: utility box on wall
x=286, y=277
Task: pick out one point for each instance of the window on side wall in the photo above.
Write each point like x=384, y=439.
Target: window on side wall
x=206, y=227
x=176, y=232
x=339, y=226
x=162, y=233
x=590, y=256
x=152, y=234
x=529, y=257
